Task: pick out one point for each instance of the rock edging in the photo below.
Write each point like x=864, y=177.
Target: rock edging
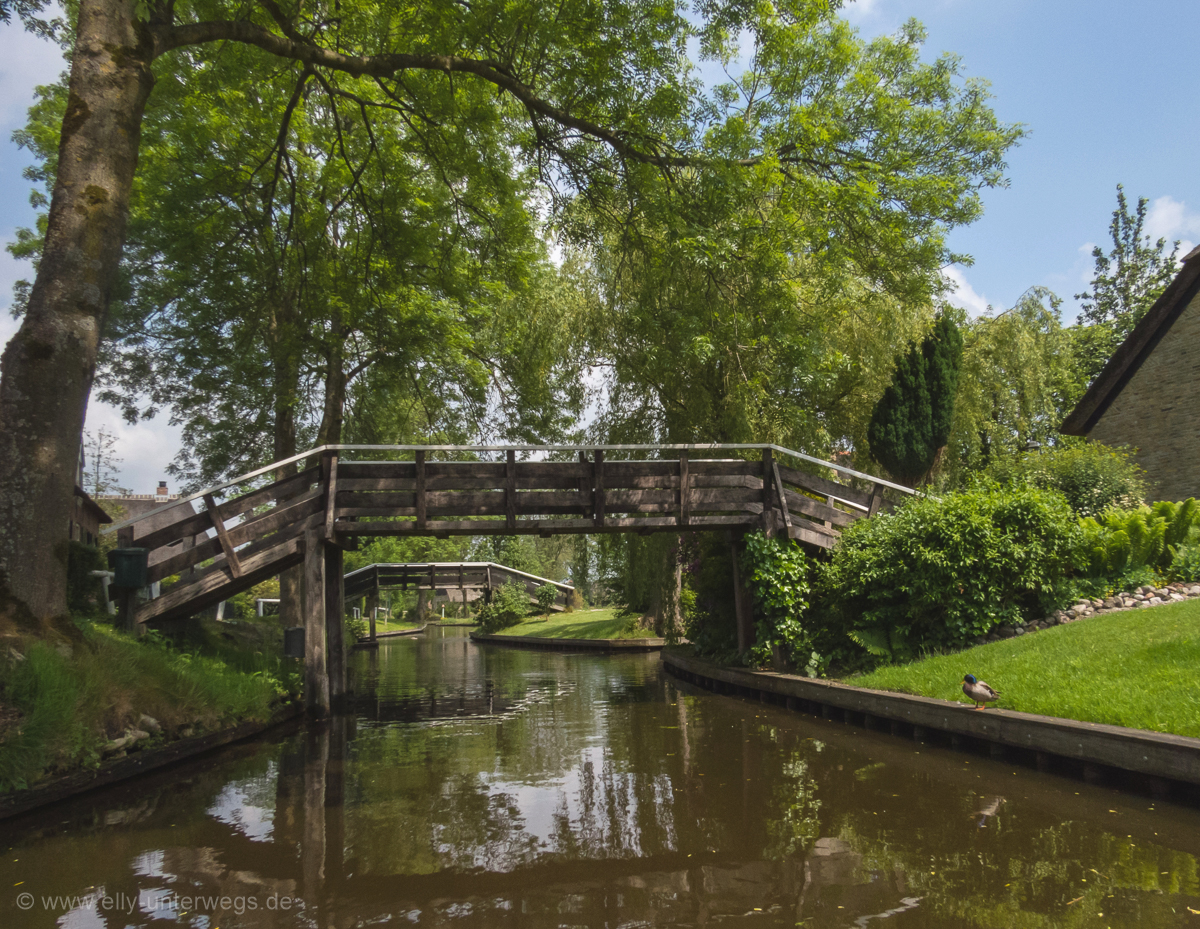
x=1142, y=598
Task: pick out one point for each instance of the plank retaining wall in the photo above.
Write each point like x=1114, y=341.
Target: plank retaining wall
x=1157, y=758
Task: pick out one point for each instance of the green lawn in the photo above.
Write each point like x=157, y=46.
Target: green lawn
x=1136, y=668
x=582, y=624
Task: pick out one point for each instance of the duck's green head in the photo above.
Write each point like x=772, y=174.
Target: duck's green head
x=969, y=679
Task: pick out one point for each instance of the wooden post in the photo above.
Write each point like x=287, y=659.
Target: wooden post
x=743, y=608
x=768, y=522
x=598, y=493
x=372, y=623
x=876, y=499
x=585, y=483
x=420, y=458
x=685, y=502
x=510, y=489
x=329, y=467
x=335, y=623
x=316, y=670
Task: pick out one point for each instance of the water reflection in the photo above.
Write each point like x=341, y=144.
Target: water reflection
x=495, y=787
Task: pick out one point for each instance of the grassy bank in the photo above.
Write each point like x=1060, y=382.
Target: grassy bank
x=1135, y=669
x=60, y=706
x=582, y=624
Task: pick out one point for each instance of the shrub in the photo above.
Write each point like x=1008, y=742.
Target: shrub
x=1126, y=545
x=776, y=572
x=1094, y=478
x=545, y=596
x=1185, y=563
x=508, y=606
x=357, y=629
x=938, y=572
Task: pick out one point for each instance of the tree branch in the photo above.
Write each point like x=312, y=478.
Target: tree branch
x=248, y=33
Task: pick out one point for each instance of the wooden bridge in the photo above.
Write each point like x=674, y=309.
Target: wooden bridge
x=345, y=492
x=462, y=576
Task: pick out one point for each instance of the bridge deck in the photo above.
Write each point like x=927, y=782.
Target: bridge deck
x=263, y=530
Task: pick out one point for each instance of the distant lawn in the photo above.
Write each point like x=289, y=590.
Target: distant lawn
x=582, y=624
x=1137, y=669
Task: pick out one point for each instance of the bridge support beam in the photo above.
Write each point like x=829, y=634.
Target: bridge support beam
x=316, y=668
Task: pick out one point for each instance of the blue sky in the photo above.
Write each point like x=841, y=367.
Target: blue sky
x=1106, y=89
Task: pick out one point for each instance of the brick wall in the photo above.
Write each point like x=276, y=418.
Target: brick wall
x=1158, y=411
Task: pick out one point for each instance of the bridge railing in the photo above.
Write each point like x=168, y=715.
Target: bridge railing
x=357, y=490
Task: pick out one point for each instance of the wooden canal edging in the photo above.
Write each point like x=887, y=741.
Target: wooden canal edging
x=140, y=762
x=596, y=645
x=1158, y=757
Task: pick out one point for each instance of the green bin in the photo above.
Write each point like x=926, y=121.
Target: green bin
x=129, y=566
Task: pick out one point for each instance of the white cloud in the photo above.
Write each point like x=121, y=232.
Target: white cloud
x=25, y=62
x=964, y=295
x=147, y=447
x=1170, y=219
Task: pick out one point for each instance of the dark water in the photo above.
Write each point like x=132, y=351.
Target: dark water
x=483, y=786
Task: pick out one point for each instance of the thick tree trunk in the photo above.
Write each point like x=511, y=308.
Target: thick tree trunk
x=48, y=367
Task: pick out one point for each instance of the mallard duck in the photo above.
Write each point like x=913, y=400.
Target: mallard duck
x=979, y=691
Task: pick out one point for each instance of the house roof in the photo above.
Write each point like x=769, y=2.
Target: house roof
x=1136, y=348
x=92, y=506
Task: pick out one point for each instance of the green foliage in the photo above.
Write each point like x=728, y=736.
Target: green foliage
x=357, y=629
x=938, y=572
x=1093, y=477
x=545, y=596
x=85, y=594
x=1185, y=562
x=912, y=420
x=1019, y=380
x=1121, y=542
x=509, y=605
x=1125, y=284
x=776, y=572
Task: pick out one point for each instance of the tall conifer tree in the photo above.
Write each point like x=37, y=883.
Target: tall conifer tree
x=911, y=422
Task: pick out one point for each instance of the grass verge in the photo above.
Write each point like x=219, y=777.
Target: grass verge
x=582, y=624
x=1135, y=669
x=61, y=706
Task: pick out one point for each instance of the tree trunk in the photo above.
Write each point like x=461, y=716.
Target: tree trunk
x=48, y=367
x=282, y=340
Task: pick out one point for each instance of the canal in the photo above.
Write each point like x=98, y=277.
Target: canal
x=488, y=786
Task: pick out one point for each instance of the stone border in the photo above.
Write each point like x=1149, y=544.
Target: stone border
x=596, y=645
x=1142, y=598
x=1153, y=754
x=142, y=762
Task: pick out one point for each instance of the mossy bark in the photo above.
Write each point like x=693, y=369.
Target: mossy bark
x=48, y=367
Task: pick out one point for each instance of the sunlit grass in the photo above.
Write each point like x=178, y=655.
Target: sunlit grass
x=582, y=624
x=1136, y=669
x=71, y=704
